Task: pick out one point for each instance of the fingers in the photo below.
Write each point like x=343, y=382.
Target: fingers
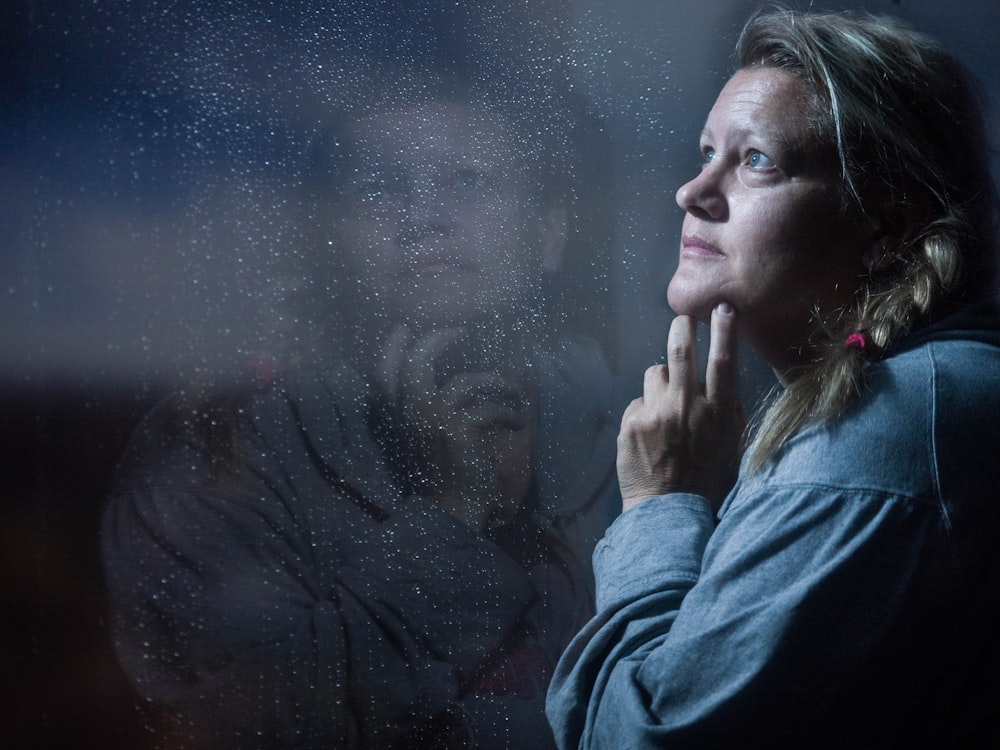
x=409, y=365
x=393, y=356
x=680, y=374
x=654, y=382
x=682, y=436
x=487, y=400
x=682, y=354
x=721, y=374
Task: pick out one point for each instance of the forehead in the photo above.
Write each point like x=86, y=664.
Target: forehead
x=434, y=130
x=766, y=102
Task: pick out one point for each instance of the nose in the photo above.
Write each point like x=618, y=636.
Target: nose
x=703, y=196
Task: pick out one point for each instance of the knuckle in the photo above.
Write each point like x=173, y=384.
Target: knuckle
x=721, y=358
x=656, y=372
x=629, y=420
x=677, y=351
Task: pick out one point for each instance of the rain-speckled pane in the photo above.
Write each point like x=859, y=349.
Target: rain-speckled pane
x=317, y=322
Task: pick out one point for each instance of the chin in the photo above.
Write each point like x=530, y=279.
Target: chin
x=685, y=300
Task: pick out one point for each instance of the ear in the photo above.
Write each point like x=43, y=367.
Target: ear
x=895, y=226
x=879, y=253
x=555, y=231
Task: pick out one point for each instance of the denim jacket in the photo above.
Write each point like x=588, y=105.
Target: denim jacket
x=848, y=595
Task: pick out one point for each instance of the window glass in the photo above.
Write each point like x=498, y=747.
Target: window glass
x=316, y=322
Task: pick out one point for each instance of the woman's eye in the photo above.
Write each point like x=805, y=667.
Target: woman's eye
x=758, y=160
x=371, y=190
x=707, y=154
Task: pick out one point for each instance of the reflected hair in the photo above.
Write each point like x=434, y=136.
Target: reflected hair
x=538, y=115
x=556, y=140
x=907, y=125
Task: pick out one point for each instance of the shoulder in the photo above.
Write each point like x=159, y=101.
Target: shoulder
x=188, y=439
x=958, y=357
x=945, y=384
x=197, y=435
x=918, y=409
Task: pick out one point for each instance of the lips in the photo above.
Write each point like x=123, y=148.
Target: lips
x=692, y=245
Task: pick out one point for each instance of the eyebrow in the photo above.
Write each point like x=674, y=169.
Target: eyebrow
x=789, y=146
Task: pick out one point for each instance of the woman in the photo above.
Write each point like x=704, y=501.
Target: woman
x=385, y=543
x=845, y=592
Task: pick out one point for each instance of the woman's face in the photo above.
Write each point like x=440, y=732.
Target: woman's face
x=438, y=225
x=765, y=229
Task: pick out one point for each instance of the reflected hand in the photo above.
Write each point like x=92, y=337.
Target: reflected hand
x=471, y=429
x=682, y=436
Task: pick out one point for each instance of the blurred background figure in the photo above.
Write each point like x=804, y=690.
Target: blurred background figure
x=381, y=536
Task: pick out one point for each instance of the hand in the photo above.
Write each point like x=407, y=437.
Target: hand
x=471, y=430
x=682, y=436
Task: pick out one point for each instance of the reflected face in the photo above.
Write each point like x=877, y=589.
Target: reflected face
x=437, y=224
x=765, y=228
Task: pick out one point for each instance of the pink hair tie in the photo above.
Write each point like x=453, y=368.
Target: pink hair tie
x=860, y=341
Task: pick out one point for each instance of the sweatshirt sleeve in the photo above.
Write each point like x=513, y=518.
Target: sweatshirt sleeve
x=637, y=601
x=229, y=617
x=746, y=634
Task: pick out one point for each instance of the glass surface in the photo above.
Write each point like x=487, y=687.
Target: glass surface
x=459, y=200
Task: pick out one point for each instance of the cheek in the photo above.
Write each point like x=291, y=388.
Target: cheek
x=831, y=245
x=806, y=232
x=819, y=270
x=495, y=218
x=506, y=239
x=366, y=247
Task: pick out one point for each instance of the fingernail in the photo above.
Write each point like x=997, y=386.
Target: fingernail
x=724, y=308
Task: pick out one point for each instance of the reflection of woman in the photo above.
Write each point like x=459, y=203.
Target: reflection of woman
x=387, y=544
x=845, y=592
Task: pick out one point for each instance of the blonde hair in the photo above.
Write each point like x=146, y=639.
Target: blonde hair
x=910, y=139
